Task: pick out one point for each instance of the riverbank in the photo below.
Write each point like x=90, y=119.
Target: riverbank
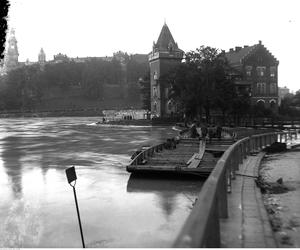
x=283, y=204
x=53, y=113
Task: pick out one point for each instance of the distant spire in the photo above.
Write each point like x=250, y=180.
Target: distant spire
x=165, y=23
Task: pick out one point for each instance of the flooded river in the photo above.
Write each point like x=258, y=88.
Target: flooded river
x=37, y=205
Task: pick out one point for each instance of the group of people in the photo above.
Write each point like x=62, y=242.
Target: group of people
x=203, y=131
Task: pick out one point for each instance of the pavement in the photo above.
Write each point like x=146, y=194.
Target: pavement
x=247, y=225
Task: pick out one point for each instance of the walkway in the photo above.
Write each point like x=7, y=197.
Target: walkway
x=247, y=225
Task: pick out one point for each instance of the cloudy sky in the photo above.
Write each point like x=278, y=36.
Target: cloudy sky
x=101, y=27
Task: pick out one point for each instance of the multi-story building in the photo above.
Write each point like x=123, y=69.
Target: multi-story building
x=255, y=70
x=165, y=55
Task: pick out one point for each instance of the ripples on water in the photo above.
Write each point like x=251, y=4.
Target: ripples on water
x=37, y=205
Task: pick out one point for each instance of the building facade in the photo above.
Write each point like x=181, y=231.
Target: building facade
x=255, y=70
x=165, y=55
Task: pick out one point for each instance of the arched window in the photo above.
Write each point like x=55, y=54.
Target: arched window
x=272, y=104
x=261, y=103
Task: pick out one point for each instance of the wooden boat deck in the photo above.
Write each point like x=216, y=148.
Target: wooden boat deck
x=186, y=156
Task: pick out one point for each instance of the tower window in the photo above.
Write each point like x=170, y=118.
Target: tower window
x=155, y=107
x=170, y=105
x=154, y=92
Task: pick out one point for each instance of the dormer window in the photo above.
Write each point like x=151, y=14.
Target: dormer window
x=170, y=46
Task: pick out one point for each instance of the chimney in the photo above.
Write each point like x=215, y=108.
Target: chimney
x=231, y=50
x=246, y=46
x=237, y=49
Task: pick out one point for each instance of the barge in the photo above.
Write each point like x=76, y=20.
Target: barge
x=183, y=156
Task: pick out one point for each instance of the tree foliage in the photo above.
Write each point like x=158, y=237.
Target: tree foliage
x=27, y=86
x=201, y=83
x=145, y=91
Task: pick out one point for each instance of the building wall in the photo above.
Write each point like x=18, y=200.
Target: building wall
x=159, y=67
x=263, y=78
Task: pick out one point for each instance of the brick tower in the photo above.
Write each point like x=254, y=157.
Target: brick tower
x=165, y=55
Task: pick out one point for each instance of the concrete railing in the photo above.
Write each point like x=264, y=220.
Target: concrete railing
x=202, y=228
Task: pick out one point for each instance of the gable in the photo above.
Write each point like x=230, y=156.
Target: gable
x=260, y=56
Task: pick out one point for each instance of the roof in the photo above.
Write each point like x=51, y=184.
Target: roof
x=165, y=40
x=235, y=56
x=165, y=37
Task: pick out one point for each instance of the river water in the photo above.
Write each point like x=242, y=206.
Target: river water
x=37, y=206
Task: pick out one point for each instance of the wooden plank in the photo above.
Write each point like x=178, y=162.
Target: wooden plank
x=194, y=163
x=192, y=158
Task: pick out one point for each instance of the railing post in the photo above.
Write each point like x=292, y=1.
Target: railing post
x=228, y=178
x=222, y=196
x=285, y=137
x=232, y=169
x=213, y=231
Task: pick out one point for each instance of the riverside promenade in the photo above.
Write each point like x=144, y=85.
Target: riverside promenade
x=247, y=225
x=229, y=211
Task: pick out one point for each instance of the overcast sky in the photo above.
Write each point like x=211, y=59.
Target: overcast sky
x=101, y=27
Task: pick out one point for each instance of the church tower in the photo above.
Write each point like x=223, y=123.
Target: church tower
x=165, y=55
x=12, y=54
x=42, y=57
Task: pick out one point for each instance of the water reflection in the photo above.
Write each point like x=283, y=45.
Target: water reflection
x=167, y=189
x=11, y=157
x=117, y=210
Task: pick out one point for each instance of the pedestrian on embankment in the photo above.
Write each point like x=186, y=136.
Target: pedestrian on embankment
x=219, y=131
x=204, y=131
x=194, y=133
x=210, y=133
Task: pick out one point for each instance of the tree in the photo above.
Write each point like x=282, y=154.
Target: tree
x=145, y=91
x=226, y=98
x=197, y=83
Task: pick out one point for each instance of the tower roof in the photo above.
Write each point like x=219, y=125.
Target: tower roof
x=165, y=39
